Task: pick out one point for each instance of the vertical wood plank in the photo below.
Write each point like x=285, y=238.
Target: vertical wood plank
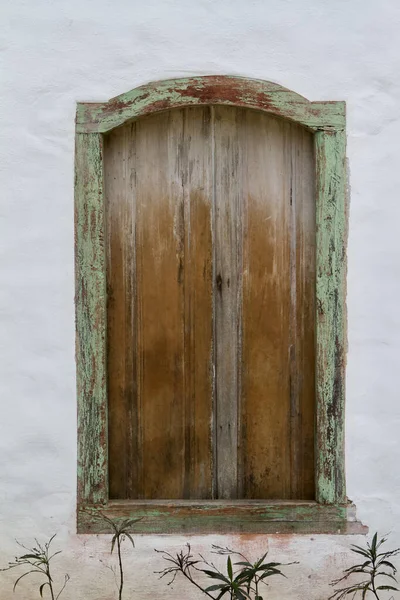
x=162, y=172
x=266, y=310
x=227, y=293
x=330, y=321
x=90, y=321
x=302, y=376
x=160, y=305
x=197, y=178
x=158, y=189
x=119, y=159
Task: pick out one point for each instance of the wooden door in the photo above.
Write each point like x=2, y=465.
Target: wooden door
x=211, y=280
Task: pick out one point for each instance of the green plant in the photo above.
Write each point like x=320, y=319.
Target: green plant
x=375, y=565
x=242, y=580
x=121, y=532
x=38, y=560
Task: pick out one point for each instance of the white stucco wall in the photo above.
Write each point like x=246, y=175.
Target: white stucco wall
x=57, y=52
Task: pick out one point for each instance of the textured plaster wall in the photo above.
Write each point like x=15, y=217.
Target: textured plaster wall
x=54, y=53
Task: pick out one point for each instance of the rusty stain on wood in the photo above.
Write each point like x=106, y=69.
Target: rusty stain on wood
x=327, y=123
x=214, y=89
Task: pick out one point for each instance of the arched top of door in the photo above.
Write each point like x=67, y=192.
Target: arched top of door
x=207, y=90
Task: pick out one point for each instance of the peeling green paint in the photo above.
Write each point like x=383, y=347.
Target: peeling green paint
x=234, y=91
x=90, y=320
x=330, y=318
x=217, y=517
x=327, y=120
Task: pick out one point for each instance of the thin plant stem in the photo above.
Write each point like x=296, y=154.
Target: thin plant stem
x=197, y=585
x=121, y=571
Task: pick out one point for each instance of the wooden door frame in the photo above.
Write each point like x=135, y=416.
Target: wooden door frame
x=331, y=512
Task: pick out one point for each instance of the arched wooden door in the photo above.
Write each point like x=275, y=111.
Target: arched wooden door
x=210, y=214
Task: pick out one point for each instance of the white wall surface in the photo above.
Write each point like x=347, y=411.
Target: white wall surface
x=56, y=52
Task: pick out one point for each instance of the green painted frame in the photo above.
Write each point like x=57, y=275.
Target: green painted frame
x=331, y=512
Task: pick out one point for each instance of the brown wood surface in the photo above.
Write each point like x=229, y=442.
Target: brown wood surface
x=303, y=317
x=227, y=293
x=266, y=310
x=160, y=306
x=211, y=277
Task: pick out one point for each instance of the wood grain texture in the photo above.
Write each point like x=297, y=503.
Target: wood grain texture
x=120, y=199
x=166, y=175
x=213, y=89
x=266, y=309
x=302, y=353
x=278, y=326
x=160, y=306
x=227, y=517
x=331, y=315
x=90, y=301
x=196, y=165
x=228, y=199
x=328, y=121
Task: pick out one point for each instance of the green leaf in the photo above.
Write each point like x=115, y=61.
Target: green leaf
x=128, y=535
x=383, y=574
x=373, y=545
x=269, y=574
x=260, y=560
x=361, y=551
x=363, y=566
x=24, y=575
x=387, y=587
x=215, y=575
x=114, y=539
x=216, y=586
x=230, y=570
x=387, y=563
x=42, y=587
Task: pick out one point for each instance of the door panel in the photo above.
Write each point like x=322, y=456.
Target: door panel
x=211, y=278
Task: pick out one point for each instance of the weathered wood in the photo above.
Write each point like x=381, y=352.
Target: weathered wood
x=227, y=292
x=328, y=121
x=123, y=440
x=255, y=517
x=266, y=310
x=330, y=315
x=197, y=182
x=302, y=353
x=90, y=302
x=158, y=188
x=160, y=305
x=215, y=89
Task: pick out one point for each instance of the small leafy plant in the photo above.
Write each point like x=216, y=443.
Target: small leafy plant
x=242, y=580
x=121, y=532
x=376, y=567
x=38, y=560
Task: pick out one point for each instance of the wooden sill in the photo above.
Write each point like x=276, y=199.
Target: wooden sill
x=216, y=516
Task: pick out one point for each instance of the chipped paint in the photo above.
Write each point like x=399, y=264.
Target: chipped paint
x=90, y=320
x=327, y=120
x=330, y=320
x=225, y=517
x=233, y=91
